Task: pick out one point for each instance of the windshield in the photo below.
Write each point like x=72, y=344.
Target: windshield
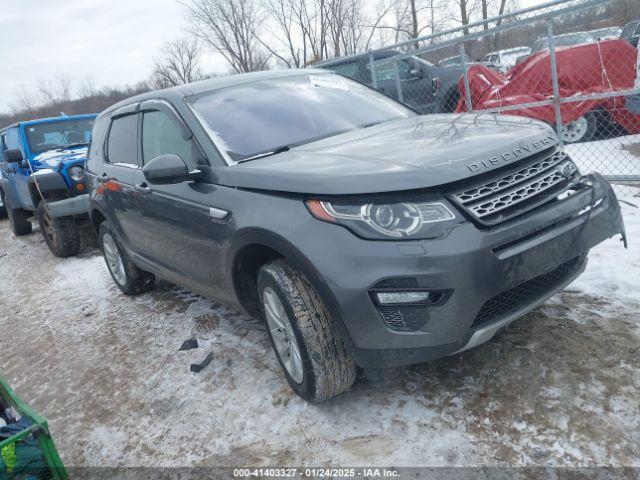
x=260, y=117
x=53, y=135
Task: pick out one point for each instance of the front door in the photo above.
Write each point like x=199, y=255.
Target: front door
x=179, y=235
x=16, y=173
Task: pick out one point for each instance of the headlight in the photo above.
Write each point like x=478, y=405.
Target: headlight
x=76, y=173
x=387, y=220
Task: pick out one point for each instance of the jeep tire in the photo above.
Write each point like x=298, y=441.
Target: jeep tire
x=311, y=354
x=18, y=218
x=129, y=278
x=61, y=234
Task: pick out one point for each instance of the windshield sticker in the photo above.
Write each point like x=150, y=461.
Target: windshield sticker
x=328, y=81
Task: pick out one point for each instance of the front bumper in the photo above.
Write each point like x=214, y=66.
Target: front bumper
x=78, y=205
x=480, y=268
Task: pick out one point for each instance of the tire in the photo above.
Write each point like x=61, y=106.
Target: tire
x=18, y=219
x=130, y=279
x=61, y=234
x=582, y=129
x=326, y=368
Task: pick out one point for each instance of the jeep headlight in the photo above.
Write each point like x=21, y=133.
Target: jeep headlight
x=410, y=220
x=76, y=173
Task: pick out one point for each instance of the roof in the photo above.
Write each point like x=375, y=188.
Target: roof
x=38, y=121
x=376, y=55
x=195, y=88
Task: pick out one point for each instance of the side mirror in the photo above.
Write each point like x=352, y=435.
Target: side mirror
x=13, y=156
x=169, y=168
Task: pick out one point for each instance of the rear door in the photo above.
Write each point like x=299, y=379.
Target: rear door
x=179, y=235
x=118, y=172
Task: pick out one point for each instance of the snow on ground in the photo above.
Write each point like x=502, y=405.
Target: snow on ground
x=614, y=272
x=559, y=387
x=616, y=156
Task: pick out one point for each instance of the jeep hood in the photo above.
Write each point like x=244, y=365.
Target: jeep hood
x=407, y=154
x=53, y=158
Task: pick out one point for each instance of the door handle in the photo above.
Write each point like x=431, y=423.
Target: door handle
x=143, y=188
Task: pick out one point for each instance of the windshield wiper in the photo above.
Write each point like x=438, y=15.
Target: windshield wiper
x=275, y=151
x=72, y=145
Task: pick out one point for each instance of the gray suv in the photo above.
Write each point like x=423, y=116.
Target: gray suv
x=363, y=233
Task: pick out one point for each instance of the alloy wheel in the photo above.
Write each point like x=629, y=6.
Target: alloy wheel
x=48, y=229
x=284, y=339
x=113, y=258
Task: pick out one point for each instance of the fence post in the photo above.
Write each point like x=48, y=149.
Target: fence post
x=396, y=72
x=554, y=80
x=465, y=75
x=374, y=80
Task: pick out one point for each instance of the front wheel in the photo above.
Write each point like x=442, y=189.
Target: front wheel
x=311, y=354
x=61, y=234
x=130, y=279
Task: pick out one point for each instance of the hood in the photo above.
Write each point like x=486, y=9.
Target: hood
x=53, y=158
x=408, y=154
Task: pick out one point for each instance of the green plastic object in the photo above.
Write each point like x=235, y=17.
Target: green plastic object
x=31, y=453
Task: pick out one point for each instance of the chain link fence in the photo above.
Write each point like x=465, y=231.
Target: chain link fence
x=562, y=63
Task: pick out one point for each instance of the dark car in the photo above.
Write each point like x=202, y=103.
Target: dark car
x=422, y=85
x=365, y=234
x=631, y=32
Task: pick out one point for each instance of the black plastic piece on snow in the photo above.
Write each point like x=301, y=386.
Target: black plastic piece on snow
x=189, y=344
x=198, y=367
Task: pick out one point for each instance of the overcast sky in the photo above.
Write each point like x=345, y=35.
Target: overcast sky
x=111, y=42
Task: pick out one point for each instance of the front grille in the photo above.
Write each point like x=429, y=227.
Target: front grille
x=404, y=319
x=512, y=194
x=526, y=293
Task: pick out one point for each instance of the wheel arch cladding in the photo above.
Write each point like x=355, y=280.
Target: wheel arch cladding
x=96, y=218
x=254, y=248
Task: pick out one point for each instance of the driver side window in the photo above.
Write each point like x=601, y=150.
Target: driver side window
x=161, y=136
x=385, y=70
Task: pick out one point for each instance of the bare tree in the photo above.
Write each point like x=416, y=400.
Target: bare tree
x=300, y=36
x=229, y=28
x=25, y=100
x=56, y=89
x=179, y=63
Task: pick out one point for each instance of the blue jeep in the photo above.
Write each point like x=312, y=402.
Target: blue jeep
x=43, y=165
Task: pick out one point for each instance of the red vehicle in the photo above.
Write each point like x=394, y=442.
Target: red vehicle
x=603, y=67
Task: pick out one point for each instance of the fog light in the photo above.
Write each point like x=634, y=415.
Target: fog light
x=395, y=298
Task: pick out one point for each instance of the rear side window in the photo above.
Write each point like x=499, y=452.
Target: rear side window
x=122, y=144
x=161, y=135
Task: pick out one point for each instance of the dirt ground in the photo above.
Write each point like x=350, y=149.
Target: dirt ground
x=560, y=387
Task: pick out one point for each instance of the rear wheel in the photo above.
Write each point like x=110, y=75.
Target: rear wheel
x=129, y=278
x=582, y=129
x=18, y=218
x=61, y=234
x=311, y=354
